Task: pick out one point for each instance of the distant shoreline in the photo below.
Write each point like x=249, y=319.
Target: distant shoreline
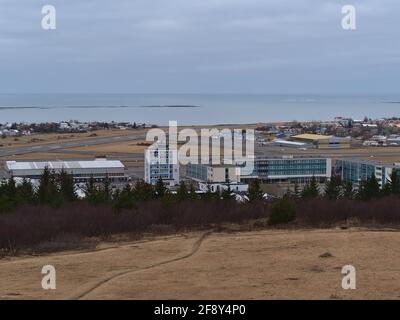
x=102, y=107
x=194, y=109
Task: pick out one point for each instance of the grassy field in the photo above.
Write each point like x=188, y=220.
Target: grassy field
x=44, y=138
x=273, y=264
x=46, y=155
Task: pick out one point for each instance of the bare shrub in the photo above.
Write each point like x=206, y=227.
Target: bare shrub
x=65, y=227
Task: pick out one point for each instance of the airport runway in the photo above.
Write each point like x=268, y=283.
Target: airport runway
x=261, y=151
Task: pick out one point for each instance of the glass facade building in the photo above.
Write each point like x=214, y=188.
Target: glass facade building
x=197, y=171
x=291, y=170
x=355, y=170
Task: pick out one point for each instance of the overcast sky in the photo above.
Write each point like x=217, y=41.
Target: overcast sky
x=200, y=46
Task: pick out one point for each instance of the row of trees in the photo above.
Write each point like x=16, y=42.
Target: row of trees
x=335, y=189
x=53, y=190
x=56, y=189
x=131, y=197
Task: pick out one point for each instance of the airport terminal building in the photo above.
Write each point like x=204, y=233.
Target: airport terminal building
x=82, y=171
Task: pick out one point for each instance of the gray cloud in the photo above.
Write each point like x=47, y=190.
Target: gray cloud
x=266, y=46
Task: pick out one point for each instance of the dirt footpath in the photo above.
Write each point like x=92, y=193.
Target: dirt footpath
x=249, y=265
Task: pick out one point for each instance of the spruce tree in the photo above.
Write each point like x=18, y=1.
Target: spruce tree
x=7, y=198
x=6, y=204
x=296, y=191
x=25, y=193
x=255, y=193
x=182, y=193
x=348, y=190
x=209, y=195
x=106, y=191
x=310, y=190
x=124, y=199
x=48, y=190
x=369, y=189
x=160, y=189
x=67, y=186
x=283, y=211
x=91, y=191
x=192, y=193
x=333, y=188
x=393, y=185
x=143, y=191
x=43, y=192
x=11, y=190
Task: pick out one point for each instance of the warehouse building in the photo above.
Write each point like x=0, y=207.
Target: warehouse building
x=82, y=171
x=323, y=142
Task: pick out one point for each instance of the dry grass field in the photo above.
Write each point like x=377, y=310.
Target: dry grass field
x=44, y=138
x=47, y=156
x=269, y=264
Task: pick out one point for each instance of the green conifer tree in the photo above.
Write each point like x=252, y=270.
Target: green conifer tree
x=67, y=186
x=255, y=193
x=333, y=188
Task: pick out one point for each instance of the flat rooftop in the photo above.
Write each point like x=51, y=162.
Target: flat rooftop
x=312, y=136
x=383, y=160
x=40, y=165
x=379, y=161
x=291, y=143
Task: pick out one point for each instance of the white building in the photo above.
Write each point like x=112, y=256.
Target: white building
x=216, y=177
x=291, y=144
x=82, y=171
x=161, y=162
x=235, y=187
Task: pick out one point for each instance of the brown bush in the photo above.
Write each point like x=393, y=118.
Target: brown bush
x=326, y=213
x=32, y=226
